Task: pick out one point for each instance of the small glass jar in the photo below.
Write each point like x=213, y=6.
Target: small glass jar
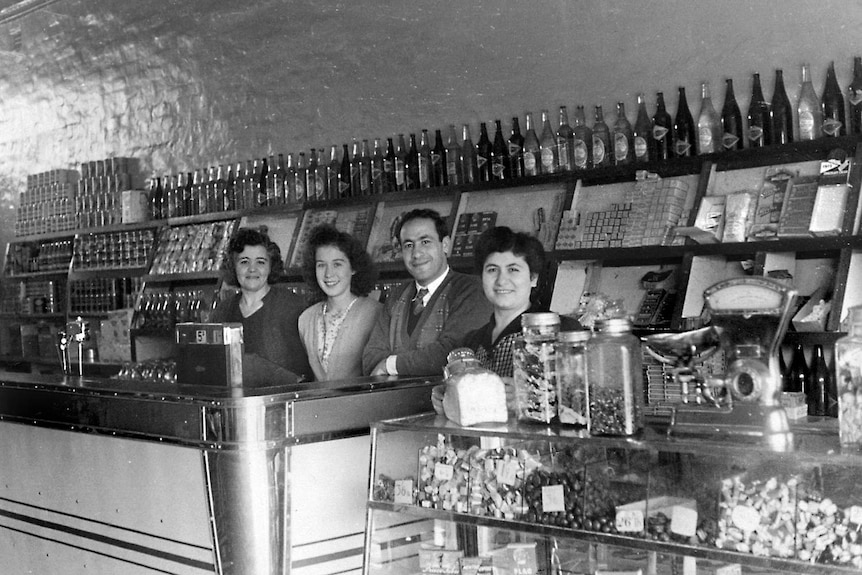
x=572, y=390
x=615, y=379
x=848, y=372
x=533, y=360
x=459, y=362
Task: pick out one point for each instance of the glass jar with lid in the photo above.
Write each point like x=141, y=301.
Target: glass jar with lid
x=533, y=360
x=572, y=391
x=848, y=372
x=615, y=379
x=472, y=393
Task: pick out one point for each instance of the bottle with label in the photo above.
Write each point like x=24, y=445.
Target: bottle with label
x=516, y=150
x=759, y=122
x=222, y=202
x=781, y=112
x=832, y=388
x=270, y=182
x=833, y=106
x=565, y=142
x=332, y=170
x=469, y=161
x=400, y=164
x=854, y=97
x=355, y=170
x=684, y=136
x=483, y=154
x=424, y=160
x=642, y=133
x=708, y=124
x=364, y=169
x=439, y=169
x=623, y=138
x=322, y=181
x=155, y=198
x=808, y=109
x=453, y=158
x=300, y=189
x=278, y=178
x=662, y=127
x=820, y=383
x=196, y=183
x=411, y=164
x=389, y=167
x=582, y=147
x=261, y=183
x=500, y=167
x=290, y=179
x=311, y=175
x=532, y=152
x=248, y=185
x=345, y=180
x=377, y=168
x=733, y=135
x=549, y=154
x=601, y=141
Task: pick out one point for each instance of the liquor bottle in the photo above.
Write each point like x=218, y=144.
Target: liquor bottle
x=642, y=134
x=759, y=122
x=188, y=204
x=424, y=159
x=212, y=194
x=601, y=141
x=732, y=137
x=311, y=175
x=532, y=152
x=684, y=137
x=221, y=200
x=808, y=109
x=155, y=198
x=784, y=371
x=270, y=182
x=231, y=188
x=171, y=199
x=439, y=167
x=781, y=112
x=661, y=130
x=196, y=189
x=469, y=161
x=483, y=154
x=278, y=179
x=321, y=181
x=300, y=190
x=377, y=173
x=832, y=388
x=565, y=142
x=332, y=172
x=182, y=185
x=833, y=106
x=820, y=383
x=290, y=179
x=453, y=158
x=500, y=166
x=400, y=164
x=248, y=196
x=261, y=183
x=799, y=374
x=344, y=180
x=548, y=147
x=708, y=124
x=411, y=164
x=854, y=97
x=364, y=169
x=355, y=170
x=516, y=150
x=624, y=152
x=389, y=167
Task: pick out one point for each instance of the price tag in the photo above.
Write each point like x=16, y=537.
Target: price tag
x=553, y=499
x=404, y=491
x=509, y=472
x=443, y=472
x=630, y=520
x=855, y=514
x=683, y=521
x=745, y=517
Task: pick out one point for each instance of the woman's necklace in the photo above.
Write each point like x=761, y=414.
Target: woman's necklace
x=336, y=314
x=329, y=328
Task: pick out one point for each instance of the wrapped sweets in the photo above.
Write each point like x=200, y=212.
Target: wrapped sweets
x=497, y=481
x=443, y=475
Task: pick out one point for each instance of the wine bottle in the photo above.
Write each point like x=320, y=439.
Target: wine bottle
x=155, y=198
x=623, y=138
x=733, y=135
x=516, y=150
x=832, y=388
x=684, y=137
x=500, y=168
x=411, y=164
x=759, y=123
x=854, y=97
x=321, y=180
x=300, y=189
x=532, y=152
x=453, y=158
x=601, y=141
x=469, y=161
x=799, y=374
x=662, y=127
x=833, y=106
x=278, y=176
x=389, y=167
x=565, y=142
x=184, y=182
x=248, y=179
x=377, y=173
x=582, y=148
x=401, y=164
x=819, y=382
x=708, y=124
x=424, y=159
x=783, y=371
x=642, y=133
x=781, y=113
x=311, y=175
x=483, y=154
x=808, y=109
x=355, y=170
x=364, y=169
x=261, y=185
x=345, y=180
x=332, y=174
x=290, y=179
x=439, y=169
x=548, y=151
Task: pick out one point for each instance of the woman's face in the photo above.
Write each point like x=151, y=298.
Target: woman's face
x=333, y=270
x=252, y=268
x=507, y=282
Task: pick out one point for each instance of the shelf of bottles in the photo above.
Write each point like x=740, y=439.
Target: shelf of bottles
x=43, y=298
x=35, y=257
x=100, y=295
x=113, y=250
x=160, y=309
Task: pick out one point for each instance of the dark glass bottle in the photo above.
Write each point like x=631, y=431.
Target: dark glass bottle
x=332, y=170
x=469, y=161
x=548, y=147
x=311, y=175
x=781, y=112
x=322, y=179
x=516, y=150
x=155, y=198
x=799, y=373
x=377, y=174
x=500, y=167
x=290, y=179
x=364, y=169
x=401, y=164
x=345, y=181
x=833, y=106
x=662, y=130
x=453, y=158
x=389, y=167
x=759, y=122
x=532, y=152
x=279, y=177
x=439, y=174
x=601, y=141
x=784, y=371
x=411, y=164
x=733, y=136
x=565, y=141
x=483, y=154
x=623, y=138
x=355, y=170
x=854, y=97
x=424, y=159
x=199, y=191
x=582, y=148
x=186, y=191
x=222, y=203
x=819, y=383
x=642, y=133
x=832, y=388
x=684, y=133
x=261, y=184
x=300, y=179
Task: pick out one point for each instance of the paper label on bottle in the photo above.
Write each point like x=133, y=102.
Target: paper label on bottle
x=581, y=154
x=498, y=168
x=388, y=166
x=563, y=147
x=729, y=141
x=423, y=170
x=641, y=149
x=399, y=173
x=404, y=491
x=704, y=140
x=598, y=150
x=806, y=125
x=745, y=517
x=530, y=163
x=452, y=169
x=621, y=147
x=514, y=149
x=682, y=147
x=755, y=133
x=436, y=159
x=342, y=187
x=320, y=188
x=481, y=161
x=831, y=127
x=629, y=520
x=553, y=499
x=299, y=190
x=443, y=472
x=659, y=132
x=548, y=159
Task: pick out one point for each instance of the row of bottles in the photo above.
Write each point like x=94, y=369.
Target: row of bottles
x=815, y=378
x=114, y=250
x=161, y=310
x=42, y=297
x=100, y=295
x=29, y=257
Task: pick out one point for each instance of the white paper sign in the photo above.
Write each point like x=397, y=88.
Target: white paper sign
x=443, y=472
x=553, y=499
x=683, y=521
x=404, y=491
x=630, y=520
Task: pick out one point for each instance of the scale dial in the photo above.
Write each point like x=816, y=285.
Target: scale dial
x=743, y=295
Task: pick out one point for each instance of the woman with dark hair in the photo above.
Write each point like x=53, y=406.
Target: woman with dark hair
x=334, y=330
x=268, y=313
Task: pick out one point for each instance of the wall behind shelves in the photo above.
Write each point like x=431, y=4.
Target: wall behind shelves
x=189, y=83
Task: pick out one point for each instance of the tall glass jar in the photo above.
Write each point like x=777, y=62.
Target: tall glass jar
x=572, y=391
x=848, y=372
x=534, y=365
x=615, y=379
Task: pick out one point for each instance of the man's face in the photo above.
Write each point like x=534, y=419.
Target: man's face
x=423, y=251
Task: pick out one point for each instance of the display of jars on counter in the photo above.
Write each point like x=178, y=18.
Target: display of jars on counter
x=534, y=367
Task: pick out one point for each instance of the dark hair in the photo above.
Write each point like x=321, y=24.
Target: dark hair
x=244, y=237
x=503, y=239
x=364, y=270
x=427, y=214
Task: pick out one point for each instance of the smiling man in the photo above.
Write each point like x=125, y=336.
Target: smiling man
x=426, y=318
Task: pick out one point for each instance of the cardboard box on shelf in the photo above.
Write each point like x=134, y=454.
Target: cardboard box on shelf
x=135, y=207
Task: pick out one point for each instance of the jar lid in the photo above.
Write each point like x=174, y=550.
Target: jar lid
x=574, y=336
x=460, y=353
x=540, y=319
x=614, y=325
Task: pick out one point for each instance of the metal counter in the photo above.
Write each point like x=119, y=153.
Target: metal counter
x=105, y=476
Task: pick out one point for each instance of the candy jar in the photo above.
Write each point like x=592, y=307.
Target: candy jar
x=848, y=371
x=615, y=379
x=572, y=392
x=533, y=361
x=472, y=393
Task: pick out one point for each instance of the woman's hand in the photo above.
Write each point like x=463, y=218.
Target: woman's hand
x=437, y=394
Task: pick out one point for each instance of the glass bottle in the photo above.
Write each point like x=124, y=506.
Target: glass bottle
x=572, y=391
x=221, y=200
x=389, y=167
x=333, y=168
x=424, y=160
x=453, y=158
x=662, y=125
x=300, y=178
x=732, y=137
x=532, y=153
x=854, y=97
x=155, y=198
x=833, y=106
x=781, y=112
x=582, y=147
x=623, y=138
x=642, y=133
x=601, y=141
x=848, y=376
x=469, y=161
x=483, y=154
x=261, y=183
x=377, y=172
x=500, y=167
x=759, y=123
x=549, y=154
x=708, y=124
x=321, y=180
x=270, y=182
x=364, y=169
x=311, y=175
x=798, y=371
x=439, y=173
x=345, y=180
x=533, y=361
x=684, y=137
x=808, y=109
x=516, y=149
x=819, y=382
x=356, y=170
x=832, y=389
x=565, y=141
x=182, y=192
x=290, y=179
x=400, y=164
x=784, y=371
x=411, y=164
x=278, y=178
